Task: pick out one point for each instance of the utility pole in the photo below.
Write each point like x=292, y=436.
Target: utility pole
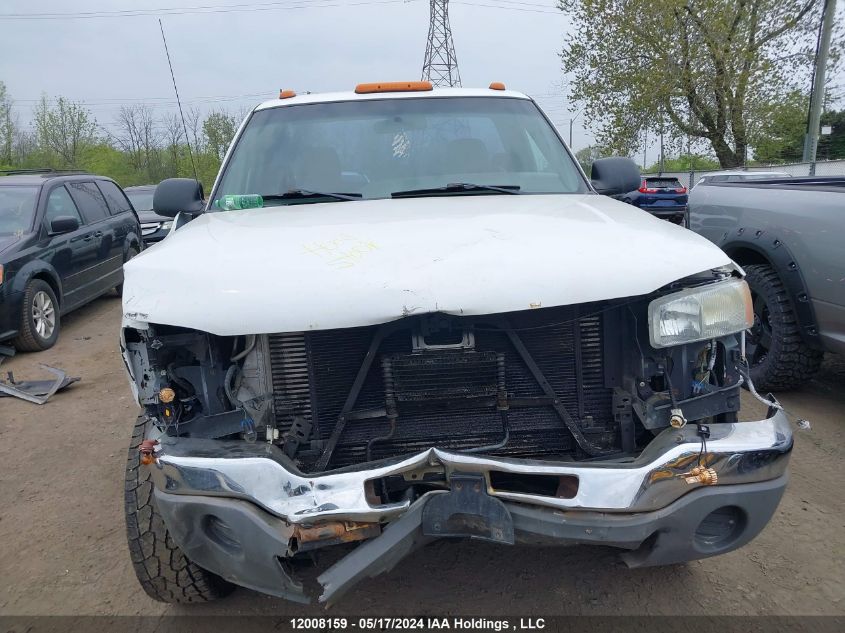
x=571, y=121
x=441, y=64
x=811, y=140
x=645, y=149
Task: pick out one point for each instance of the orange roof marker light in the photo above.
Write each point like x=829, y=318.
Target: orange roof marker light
x=394, y=86
x=286, y=94
x=497, y=85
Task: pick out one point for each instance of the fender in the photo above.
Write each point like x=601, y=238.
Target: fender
x=38, y=267
x=770, y=249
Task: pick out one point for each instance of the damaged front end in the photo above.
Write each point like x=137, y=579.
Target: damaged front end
x=570, y=424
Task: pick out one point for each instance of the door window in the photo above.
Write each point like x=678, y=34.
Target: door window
x=91, y=202
x=114, y=196
x=60, y=204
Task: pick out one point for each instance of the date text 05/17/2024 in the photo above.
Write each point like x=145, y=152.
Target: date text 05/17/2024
x=417, y=623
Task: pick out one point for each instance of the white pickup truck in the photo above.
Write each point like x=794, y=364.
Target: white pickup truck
x=405, y=314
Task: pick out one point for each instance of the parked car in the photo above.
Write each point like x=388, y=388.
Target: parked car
x=742, y=176
x=63, y=241
x=662, y=196
x=787, y=235
x=154, y=227
x=464, y=340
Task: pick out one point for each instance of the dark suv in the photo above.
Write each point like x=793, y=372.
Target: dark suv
x=154, y=227
x=63, y=241
x=662, y=196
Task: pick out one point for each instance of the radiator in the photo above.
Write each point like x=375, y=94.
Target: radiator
x=447, y=398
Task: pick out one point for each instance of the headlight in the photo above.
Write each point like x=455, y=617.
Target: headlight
x=700, y=314
x=165, y=226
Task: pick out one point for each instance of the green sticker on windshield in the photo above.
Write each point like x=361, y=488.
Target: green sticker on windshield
x=240, y=201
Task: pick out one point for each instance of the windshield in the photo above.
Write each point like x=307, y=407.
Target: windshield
x=380, y=147
x=142, y=200
x=17, y=206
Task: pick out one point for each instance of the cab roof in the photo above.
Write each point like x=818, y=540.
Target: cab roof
x=330, y=97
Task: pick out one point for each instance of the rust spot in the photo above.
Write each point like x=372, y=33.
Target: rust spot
x=147, y=450
x=332, y=533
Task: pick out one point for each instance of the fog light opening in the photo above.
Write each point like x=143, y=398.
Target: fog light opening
x=720, y=529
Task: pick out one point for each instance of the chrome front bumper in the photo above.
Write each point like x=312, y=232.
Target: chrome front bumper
x=740, y=453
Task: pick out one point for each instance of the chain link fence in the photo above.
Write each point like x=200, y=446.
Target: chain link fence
x=819, y=168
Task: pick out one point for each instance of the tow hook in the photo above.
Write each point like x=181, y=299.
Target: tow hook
x=147, y=450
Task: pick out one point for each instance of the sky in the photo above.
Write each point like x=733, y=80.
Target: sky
x=236, y=53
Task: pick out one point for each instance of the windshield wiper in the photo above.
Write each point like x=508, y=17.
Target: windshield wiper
x=456, y=187
x=306, y=194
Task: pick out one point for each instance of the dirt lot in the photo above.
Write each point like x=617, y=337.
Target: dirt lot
x=62, y=529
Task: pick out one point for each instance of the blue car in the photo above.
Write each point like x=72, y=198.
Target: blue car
x=662, y=196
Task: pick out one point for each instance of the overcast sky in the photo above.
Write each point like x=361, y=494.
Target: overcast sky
x=234, y=59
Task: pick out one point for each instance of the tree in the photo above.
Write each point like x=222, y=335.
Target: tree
x=684, y=162
x=138, y=137
x=174, y=134
x=219, y=129
x=63, y=131
x=701, y=68
x=779, y=137
x=833, y=146
x=587, y=155
x=8, y=127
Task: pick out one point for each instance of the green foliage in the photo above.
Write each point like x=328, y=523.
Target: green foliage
x=142, y=150
x=64, y=131
x=779, y=138
x=833, y=146
x=699, y=68
x=219, y=129
x=684, y=162
x=7, y=129
x=587, y=155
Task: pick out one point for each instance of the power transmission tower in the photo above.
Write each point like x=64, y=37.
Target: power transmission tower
x=441, y=64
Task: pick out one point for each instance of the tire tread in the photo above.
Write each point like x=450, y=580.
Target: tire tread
x=790, y=362
x=163, y=570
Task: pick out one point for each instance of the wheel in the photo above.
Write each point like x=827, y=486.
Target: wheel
x=40, y=324
x=129, y=255
x=162, y=569
x=778, y=356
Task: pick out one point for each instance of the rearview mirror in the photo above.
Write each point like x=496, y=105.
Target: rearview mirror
x=615, y=176
x=178, y=195
x=63, y=224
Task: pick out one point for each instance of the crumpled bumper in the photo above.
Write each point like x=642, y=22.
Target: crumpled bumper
x=647, y=504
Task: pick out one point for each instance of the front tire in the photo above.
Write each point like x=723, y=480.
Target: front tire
x=777, y=354
x=39, y=320
x=164, y=572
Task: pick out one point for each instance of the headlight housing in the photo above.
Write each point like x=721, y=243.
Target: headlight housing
x=700, y=314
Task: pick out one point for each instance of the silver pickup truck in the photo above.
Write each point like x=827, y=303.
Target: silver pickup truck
x=789, y=236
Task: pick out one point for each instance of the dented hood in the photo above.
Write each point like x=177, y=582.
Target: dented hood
x=346, y=264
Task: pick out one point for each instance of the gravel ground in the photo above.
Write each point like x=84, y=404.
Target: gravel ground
x=64, y=551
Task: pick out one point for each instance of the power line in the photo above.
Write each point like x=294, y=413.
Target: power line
x=548, y=9
x=288, y=5
x=230, y=8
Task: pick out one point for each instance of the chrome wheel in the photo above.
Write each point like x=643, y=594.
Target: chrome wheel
x=43, y=314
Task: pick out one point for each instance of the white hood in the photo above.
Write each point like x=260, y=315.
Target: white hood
x=346, y=264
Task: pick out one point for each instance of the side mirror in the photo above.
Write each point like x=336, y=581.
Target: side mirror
x=615, y=176
x=63, y=224
x=178, y=195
